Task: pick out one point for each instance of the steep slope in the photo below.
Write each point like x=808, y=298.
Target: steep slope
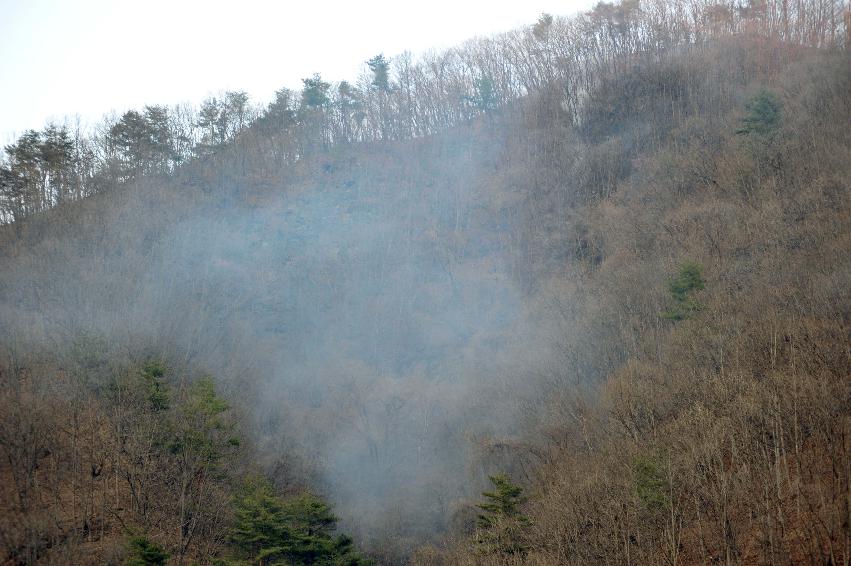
x=718, y=275
x=396, y=320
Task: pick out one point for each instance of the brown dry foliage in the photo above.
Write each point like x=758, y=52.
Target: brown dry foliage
x=720, y=438
x=744, y=409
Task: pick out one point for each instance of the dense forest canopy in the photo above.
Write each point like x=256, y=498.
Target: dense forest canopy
x=573, y=294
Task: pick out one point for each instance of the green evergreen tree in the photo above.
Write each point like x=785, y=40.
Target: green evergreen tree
x=501, y=503
x=27, y=174
x=484, y=98
x=651, y=484
x=763, y=115
x=683, y=287
x=270, y=530
x=157, y=388
x=212, y=133
x=380, y=67
x=541, y=29
x=259, y=527
x=280, y=111
x=143, y=552
x=315, y=92
x=57, y=153
x=502, y=523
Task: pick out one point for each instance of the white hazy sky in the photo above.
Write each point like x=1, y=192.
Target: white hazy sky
x=88, y=57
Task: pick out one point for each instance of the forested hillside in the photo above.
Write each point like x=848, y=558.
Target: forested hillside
x=597, y=268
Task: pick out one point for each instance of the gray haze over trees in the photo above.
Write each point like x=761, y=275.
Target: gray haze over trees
x=534, y=257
